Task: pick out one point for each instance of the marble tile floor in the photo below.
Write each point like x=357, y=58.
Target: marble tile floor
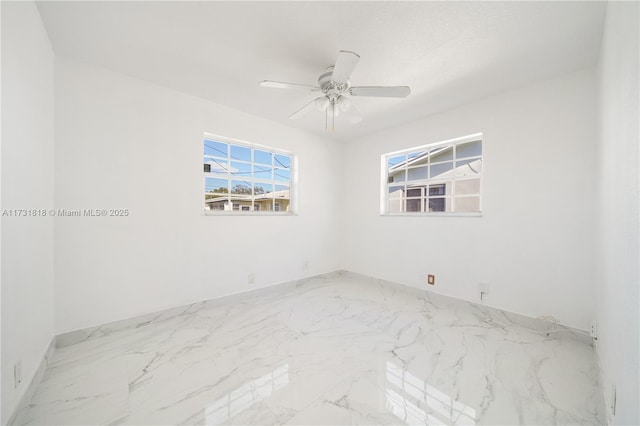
x=342, y=350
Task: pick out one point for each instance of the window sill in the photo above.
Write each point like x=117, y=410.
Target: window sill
x=228, y=213
x=435, y=214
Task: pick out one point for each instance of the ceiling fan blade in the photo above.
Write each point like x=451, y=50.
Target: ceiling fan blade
x=381, y=91
x=305, y=109
x=280, y=85
x=345, y=64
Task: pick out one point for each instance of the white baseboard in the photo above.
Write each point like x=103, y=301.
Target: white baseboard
x=90, y=333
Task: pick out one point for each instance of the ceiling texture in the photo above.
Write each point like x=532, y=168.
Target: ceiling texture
x=450, y=53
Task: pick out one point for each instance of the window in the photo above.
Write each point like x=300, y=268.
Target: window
x=441, y=177
x=241, y=177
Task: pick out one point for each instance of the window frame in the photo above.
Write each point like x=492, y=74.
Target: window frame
x=293, y=181
x=384, y=178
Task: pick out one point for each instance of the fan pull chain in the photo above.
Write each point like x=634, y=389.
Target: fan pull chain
x=333, y=116
x=326, y=119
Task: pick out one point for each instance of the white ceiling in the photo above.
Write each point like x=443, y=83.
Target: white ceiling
x=450, y=53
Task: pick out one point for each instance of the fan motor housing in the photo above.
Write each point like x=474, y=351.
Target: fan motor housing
x=327, y=85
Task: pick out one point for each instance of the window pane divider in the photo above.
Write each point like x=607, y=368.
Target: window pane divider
x=454, y=168
x=285, y=162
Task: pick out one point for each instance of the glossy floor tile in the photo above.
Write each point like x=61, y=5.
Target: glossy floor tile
x=345, y=350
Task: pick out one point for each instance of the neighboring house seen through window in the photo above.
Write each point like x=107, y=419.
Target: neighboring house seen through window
x=441, y=177
x=240, y=177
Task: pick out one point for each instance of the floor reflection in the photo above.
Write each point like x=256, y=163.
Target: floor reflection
x=407, y=394
x=246, y=395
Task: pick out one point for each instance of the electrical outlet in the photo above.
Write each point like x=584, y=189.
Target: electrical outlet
x=17, y=373
x=431, y=279
x=252, y=278
x=593, y=330
x=483, y=289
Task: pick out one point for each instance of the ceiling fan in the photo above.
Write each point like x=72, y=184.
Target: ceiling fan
x=335, y=85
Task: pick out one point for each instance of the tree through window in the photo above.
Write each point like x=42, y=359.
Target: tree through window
x=243, y=178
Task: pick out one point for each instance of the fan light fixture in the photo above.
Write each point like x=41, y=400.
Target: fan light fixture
x=335, y=85
x=322, y=103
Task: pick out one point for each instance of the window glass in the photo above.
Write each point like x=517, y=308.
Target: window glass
x=398, y=176
x=216, y=186
x=393, y=161
x=414, y=192
x=395, y=191
x=282, y=175
x=441, y=153
x=467, y=186
x=419, y=173
x=240, y=153
x=441, y=170
x=262, y=157
x=413, y=205
x=241, y=187
x=443, y=177
x=216, y=149
x=263, y=188
x=395, y=205
x=215, y=165
x=439, y=189
x=282, y=161
x=468, y=167
x=437, y=204
x=242, y=178
x=240, y=169
x=467, y=204
x=262, y=172
x=471, y=149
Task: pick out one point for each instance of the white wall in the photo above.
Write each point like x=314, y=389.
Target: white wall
x=618, y=254
x=125, y=143
x=27, y=172
x=534, y=241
